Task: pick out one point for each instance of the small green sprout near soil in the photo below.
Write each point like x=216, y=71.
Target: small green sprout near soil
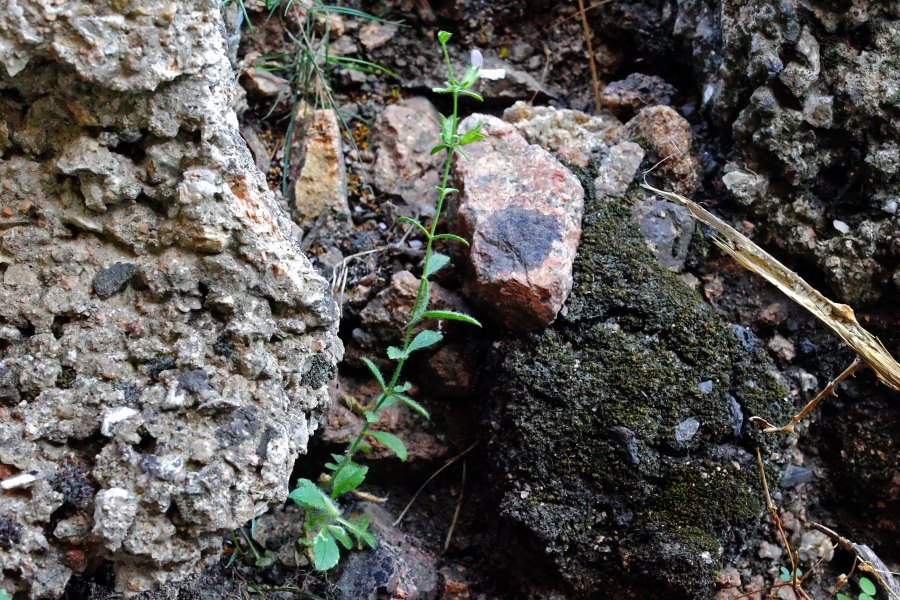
x=326, y=527
x=867, y=590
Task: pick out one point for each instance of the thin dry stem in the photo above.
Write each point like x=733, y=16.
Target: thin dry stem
x=446, y=465
x=795, y=583
x=855, y=366
x=595, y=80
x=462, y=489
x=867, y=559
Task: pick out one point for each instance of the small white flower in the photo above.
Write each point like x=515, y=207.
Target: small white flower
x=477, y=60
x=492, y=74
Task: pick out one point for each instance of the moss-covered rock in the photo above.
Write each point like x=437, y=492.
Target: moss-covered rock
x=595, y=425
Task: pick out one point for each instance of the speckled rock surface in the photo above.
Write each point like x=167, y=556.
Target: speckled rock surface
x=404, y=134
x=627, y=96
x=575, y=137
x=522, y=210
x=164, y=347
x=811, y=90
x=669, y=142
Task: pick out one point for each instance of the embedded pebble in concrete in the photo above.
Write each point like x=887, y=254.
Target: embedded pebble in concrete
x=165, y=348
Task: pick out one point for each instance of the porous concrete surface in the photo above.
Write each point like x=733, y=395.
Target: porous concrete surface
x=164, y=346
x=810, y=90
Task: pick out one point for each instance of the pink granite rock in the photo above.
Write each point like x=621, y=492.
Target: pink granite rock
x=521, y=209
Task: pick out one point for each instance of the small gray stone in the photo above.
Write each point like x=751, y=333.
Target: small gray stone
x=737, y=415
x=686, y=430
x=628, y=440
x=112, y=279
x=668, y=229
x=617, y=169
x=705, y=387
x=794, y=476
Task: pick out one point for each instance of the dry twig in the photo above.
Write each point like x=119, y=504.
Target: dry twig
x=868, y=560
x=586, y=29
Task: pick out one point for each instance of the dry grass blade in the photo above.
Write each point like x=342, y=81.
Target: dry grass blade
x=839, y=317
x=586, y=30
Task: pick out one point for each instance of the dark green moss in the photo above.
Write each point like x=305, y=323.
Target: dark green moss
x=608, y=383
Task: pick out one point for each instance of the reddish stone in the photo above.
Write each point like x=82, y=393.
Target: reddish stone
x=667, y=137
x=521, y=209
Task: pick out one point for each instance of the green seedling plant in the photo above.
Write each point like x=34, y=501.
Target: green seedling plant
x=325, y=527
x=867, y=590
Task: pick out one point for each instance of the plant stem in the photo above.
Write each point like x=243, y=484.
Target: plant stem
x=421, y=293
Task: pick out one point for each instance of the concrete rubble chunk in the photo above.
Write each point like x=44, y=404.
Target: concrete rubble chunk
x=521, y=209
x=575, y=137
x=159, y=327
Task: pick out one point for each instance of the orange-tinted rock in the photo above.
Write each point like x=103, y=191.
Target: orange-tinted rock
x=521, y=209
x=667, y=135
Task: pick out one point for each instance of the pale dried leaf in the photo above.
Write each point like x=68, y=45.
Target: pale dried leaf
x=839, y=317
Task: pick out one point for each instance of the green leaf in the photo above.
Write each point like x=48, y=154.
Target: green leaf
x=785, y=575
x=446, y=129
x=450, y=236
x=325, y=551
x=472, y=135
x=414, y=405
x=470, y=76
x=422, y=304
x=444, y=36
x=472, y=94
x=403, y=387
x=416, y=223
x=843, y=597
x=436, y=262
x=340, y=534
x=395, y=353
x=424, y=339
x=359, y=527
x=266, y=560
x=864, y=596
x=450, y=315
x=352, y=12
x=331, y=466
x=371, y=418
x=309, y=495
x=376, y=373
x=391, y=442
x=446, y=191
x=348, y=479
x=443, y=90
x=360, y=65
x=866, y=585
x=438, y=148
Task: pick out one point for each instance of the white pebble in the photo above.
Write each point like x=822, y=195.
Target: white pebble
x=841, y=226
x=114, y=416
x=18, y=481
